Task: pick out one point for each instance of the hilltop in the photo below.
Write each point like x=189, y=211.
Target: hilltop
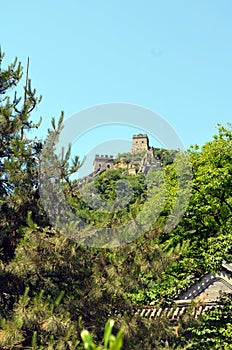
x=141, y=159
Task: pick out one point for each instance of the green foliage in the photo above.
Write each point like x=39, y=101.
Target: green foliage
x=18, y=158
x=165, y=156
x=206, y=225
x=109, y=340
x=215, y=329
x=40, y=322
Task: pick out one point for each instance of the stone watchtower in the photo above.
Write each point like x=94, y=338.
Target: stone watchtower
x=102, y=161
x=140, y=143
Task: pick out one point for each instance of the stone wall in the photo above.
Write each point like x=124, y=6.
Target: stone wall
x=103, y=161
x=140, y=142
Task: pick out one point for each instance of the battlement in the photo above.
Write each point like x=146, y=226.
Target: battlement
x=139, y=136
x=102, y=156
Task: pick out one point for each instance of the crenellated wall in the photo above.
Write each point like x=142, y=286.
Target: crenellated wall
x=101, y=161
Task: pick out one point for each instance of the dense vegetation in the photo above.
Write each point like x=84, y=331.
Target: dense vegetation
x=52, y=287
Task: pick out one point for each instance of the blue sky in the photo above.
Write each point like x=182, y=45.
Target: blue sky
x=172, y=57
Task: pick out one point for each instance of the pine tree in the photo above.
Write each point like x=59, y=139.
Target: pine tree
x=18, y=156
x=18, y=174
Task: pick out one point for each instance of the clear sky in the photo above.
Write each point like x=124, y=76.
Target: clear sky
x=171, y=56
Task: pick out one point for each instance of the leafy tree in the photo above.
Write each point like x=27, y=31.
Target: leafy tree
x=215, y=330
x=207, y=223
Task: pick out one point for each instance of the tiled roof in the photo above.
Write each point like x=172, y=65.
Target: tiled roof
x=196, y=299
x=227, y=266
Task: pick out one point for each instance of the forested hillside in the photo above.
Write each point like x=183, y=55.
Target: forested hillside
x=52, y=287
